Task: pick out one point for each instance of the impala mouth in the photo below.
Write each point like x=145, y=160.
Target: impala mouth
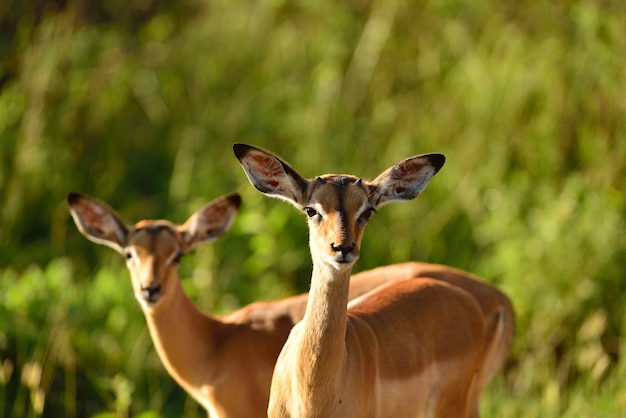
x=345, y=258
x=150, y=294
x=343, y=261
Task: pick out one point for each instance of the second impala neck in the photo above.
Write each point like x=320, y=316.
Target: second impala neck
x=183, y=338
x=323, y=332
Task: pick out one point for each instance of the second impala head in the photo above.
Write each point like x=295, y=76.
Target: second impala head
x=152, y=249
x=338, y=207
x=152, y=256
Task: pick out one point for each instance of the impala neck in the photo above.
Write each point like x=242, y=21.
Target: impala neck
x=183, y=337
x=322, y=347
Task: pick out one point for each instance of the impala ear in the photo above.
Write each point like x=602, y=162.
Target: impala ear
x=406, y=179
x=211, y=221
x=97, y=221
x=270, y=175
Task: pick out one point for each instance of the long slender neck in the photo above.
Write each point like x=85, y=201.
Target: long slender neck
x=322, y=346
x=184, y=339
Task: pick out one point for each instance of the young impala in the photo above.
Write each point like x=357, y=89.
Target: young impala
x=408, y=348
x=225, y=363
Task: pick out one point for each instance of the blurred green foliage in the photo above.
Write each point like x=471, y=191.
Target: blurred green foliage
x=137, y=103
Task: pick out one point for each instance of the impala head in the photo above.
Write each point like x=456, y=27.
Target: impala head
x=152, y=249
x=338, y=207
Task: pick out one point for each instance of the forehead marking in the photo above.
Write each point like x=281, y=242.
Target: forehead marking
x=152, y=232
x=345, y=195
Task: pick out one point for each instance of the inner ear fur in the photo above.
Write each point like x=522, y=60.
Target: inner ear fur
x=211, y=221
x=97, y=221
x=271, y=175
x=406, y=179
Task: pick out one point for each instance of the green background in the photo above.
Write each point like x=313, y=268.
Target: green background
x=137, y=103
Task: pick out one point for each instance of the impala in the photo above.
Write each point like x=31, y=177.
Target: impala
x=409, y=348
x=224, y=363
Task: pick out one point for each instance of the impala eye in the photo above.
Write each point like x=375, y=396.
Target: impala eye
x=310, y=212
x=365, y=216
x=177, y=257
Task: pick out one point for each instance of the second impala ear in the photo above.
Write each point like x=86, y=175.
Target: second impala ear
x=97, y=221
x=406, y=179
x=211, y=221
x=270, y=175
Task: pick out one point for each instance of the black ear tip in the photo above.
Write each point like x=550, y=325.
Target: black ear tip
x=235, y=199
x=72, y=197
x=437, y=160
x=240, y=150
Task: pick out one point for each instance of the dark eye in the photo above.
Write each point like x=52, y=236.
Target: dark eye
x=310, y=212
x=365, y=216
x=177, y=258
x=128, y=255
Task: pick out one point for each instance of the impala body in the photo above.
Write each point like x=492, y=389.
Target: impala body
x=409, y=348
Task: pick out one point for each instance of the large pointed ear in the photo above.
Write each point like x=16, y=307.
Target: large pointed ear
x=211, y=221
x=270, y=175
x=96, y=221
x=406, y=179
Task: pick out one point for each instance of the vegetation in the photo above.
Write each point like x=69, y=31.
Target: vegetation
x=137, y=103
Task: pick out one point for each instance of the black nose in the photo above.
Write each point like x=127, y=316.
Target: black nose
x=344, y=249
x=150, y=293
